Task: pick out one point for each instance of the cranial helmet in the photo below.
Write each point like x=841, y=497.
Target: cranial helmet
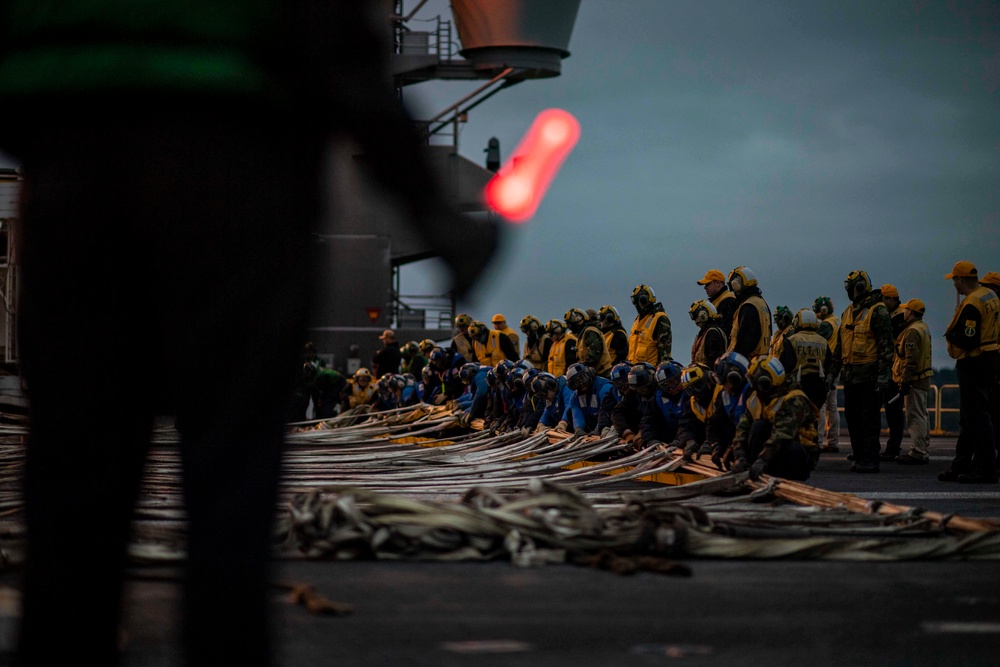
x=782, y=316
x=608, y=315
x=668, y=376
x=805, y=319
x=740, y=278
x=766, y=374
x=732, y=369
x=438, y=357
x=363, y=374
x=823, y=306
x=468, y=372
x=502, y=368
x=619, y=375
x=642, y=297
x=641, y=377
x=462, y=320
x=478, y=331
x=543, y=383
x=530, y=324
x=575, y=318
x=426, y=345
x=856, y=284
x=579, y=376
x=702, y=311
x=555, y=327
x=696, y=379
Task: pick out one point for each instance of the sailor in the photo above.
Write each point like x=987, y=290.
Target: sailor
x=491, y=345
x=537, y=342
x=589, y=390
x=892, y=406
x=591, y=347
x=829, y=412
x=912, y=372
x=359, y=390
x=992, y=281
x=563, y=350
x=699, y=385
x=711, y=341
x=727, y=407
x=614, y=333
x=864, y=355
x=651, y=338
x=751, y=331
x=778, y=425
x=782, y=322
x=661, y=416
x=723, y=300
x=388, y=357
x=972, y=342
x=808, y=356
x=461, y=342
x=626, y=417
x=500, y=324
x=619, y=386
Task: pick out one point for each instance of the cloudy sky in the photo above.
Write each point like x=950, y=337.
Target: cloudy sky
x=804, y=140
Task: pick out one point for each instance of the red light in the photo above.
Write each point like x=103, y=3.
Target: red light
x=517, y=189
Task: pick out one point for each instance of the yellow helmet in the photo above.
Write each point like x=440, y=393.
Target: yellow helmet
x=477, y=328
x=426, y=345
x=857, y=283
x=555, y=327
x=740, y=278
x=362, y=373
x=642, y=296
x=696, y=378
x=702, y=311
x=806, y=319
x=608, y=315
x=766, y=374
x=463, y=320
x=575, y=317
x=530, y=323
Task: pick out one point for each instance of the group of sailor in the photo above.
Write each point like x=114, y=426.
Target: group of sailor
x=751, y=398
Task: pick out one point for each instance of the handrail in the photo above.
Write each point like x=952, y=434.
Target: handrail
x=935, y=407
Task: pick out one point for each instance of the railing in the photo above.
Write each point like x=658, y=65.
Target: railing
x=935, y=407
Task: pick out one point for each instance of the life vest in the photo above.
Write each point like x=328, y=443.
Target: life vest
x=923, y=351
x=557, y=354
x=463, y=345
x=777, y=341
x=533, y=353
x=723, y=295
x=987, y=303
x=807, y=432
x=755, y=407
x=604, y=362
x=810, y=352
x=733, y=406
x=490, y=353
x=765, y=326
x=669, y=408
x=513, y=335
x=642, y=346
x=834, y=323
x=361, y=395
x=858, y=344
x=698, y=347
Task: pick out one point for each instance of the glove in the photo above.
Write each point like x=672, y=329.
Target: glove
x=740, y=465
x=722, y=458
x=439, y=399
x=628, y=435
x=757, y=469
x=904, y=389
x=580, y=431
x=691, y=450
x=562, y=426
x=674, y=446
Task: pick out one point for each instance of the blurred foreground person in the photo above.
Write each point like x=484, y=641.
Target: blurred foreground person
x=172, y=161
x=972, y=342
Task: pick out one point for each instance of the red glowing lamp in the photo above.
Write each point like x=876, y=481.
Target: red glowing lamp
x=517, y=189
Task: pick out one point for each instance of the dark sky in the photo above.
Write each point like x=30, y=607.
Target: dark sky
x=804, y=140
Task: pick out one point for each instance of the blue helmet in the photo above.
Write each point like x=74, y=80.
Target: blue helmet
x=641, y=376
x=619, y=375
x=468, y=372
x=731, y=368
x=543, y=382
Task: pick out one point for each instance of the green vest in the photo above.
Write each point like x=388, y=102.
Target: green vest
x=53, y=47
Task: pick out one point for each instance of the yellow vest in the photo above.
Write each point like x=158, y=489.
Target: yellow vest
x=490, y=353
x=463, y=345
x=810, y=352
x=776, y=343
x=806, y=433
x=858, y=345
x=922, y=352
x=534, y=353
x=765, y=326
x=514, y=337
x=723, y=295
x=641, y=344
x=557, y=355
x=986, y=302
x=361, y=396
x=834, y=323
x=604, y=362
